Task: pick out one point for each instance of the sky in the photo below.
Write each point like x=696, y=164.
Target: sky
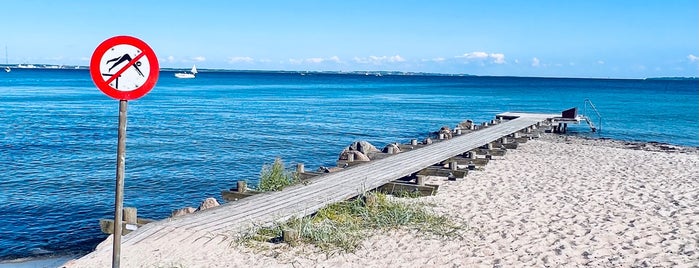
x=545, y=38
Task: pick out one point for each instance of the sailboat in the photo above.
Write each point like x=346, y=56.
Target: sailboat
x=191, y=73
x=7, y=65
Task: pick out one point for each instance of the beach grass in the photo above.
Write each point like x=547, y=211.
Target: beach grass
x=274, y=177
x=343, y=226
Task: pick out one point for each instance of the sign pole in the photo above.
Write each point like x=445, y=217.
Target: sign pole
x=124, y=68
x=119, y=191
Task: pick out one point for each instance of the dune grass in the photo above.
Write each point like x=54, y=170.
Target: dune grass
x=343, y=226
x=274, y=177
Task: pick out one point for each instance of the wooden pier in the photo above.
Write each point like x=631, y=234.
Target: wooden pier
x=221, y=224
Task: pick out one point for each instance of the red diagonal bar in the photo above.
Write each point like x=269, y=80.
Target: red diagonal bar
x=122, y=70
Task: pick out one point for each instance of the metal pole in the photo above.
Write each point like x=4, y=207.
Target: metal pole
x=119, y=191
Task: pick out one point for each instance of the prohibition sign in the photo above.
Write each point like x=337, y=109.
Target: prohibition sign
x=124, y=68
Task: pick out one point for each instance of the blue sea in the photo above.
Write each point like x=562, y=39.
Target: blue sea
x=188, y=139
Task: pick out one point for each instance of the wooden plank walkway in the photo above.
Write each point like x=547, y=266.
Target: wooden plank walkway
x=216, y=225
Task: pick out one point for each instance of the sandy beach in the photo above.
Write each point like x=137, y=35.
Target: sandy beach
x=556, y=201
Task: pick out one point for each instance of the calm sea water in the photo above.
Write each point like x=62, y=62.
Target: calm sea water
x=190, y=139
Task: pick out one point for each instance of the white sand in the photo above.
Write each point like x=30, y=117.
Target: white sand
x=553, y=202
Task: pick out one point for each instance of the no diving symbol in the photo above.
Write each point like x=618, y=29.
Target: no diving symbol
x=124, y=68
x=129, y=62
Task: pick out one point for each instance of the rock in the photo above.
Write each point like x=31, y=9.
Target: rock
x=358, y=156
x=363, y=146
x=182, y=211
x=391, y=149
x=208, y=203
x=468, y=124
x=446, y=131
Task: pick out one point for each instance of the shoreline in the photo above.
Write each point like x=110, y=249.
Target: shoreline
x=557, y=200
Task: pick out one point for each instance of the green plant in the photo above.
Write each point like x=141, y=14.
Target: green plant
x=274, y=177
x=342, y=226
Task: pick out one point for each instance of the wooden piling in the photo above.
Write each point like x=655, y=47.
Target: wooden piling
x=130, y=215
x=290, y=235
x=299, y=168
x=420, y=180
x=453, y=165
x=413, y=142
x=242, y=186
x=350, y=157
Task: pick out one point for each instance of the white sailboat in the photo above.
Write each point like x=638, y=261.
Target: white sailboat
x=191, y=73
x=7, y=65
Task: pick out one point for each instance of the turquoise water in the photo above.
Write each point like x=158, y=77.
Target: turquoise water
x=189, y=139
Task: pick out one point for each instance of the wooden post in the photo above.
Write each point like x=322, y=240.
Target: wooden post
x=242, y=186
x=413, y=142
x=490, y=145
x=472, y=154
x=458, y=131
x=290, y=235
x=389, y=149
x=515, y=135
x=130, y=215
x=420, y=180
x=453, y=165
x=299, y=168
x=441, y=136
x=504, y=140
x=350, y=157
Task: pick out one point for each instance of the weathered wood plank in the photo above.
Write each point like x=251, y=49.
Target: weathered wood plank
x=398, y=187
x=443, y=172
x=231, y=196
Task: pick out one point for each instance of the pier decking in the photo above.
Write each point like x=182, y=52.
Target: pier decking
x=220, y=224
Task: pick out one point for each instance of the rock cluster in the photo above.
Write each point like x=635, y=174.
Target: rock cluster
x=206, y=204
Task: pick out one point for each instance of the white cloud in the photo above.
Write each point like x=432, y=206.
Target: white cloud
x=498, y=58
x=536, y=62
x=379, y=59
x=199, y=59
x=439, y=59
x=335, y=59
x=600, y=62
x=480, y=56
x=240, y=59
x=692, y=58
x=170, y=59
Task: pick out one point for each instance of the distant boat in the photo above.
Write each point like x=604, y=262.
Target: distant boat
x=191, y=73
x=7, y=68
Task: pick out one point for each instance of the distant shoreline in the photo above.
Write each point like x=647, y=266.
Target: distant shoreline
x=357, y=72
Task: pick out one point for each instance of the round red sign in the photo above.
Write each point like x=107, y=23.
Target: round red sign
x=124, y=68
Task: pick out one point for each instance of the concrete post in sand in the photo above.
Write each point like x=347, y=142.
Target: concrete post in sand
x=413, y=142
x=299, y=168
